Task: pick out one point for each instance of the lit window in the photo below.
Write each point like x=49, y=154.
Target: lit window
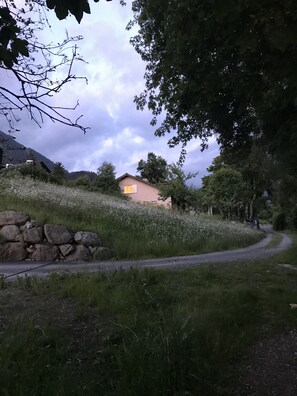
x=130, y=189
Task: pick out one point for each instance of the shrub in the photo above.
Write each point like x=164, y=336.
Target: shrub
x=292, y=220
x=279, y=221
x=34, y=171
x=265, y=214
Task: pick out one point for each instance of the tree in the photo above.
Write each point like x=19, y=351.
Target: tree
x=155, y=169
x=197, y=201
x=106, y=181
x=217, y=69
x=227, y=190
x=208, y=199
x=59, y=170
x=177, y=188
x=81, y=182
x=258, y=174
x=63, y=8
x=59, y=173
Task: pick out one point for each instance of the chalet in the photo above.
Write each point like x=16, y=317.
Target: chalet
x=140, y=190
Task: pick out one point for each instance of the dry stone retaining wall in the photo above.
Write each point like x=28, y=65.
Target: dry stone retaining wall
x=21, y=238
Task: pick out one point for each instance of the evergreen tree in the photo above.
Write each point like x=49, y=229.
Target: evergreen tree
x=106, y=181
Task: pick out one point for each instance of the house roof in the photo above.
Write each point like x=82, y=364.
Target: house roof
x=137, y=178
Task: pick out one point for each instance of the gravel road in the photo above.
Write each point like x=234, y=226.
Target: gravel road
x=257, y=251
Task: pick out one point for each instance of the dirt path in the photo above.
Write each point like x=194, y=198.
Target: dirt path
x=269, y=368
x=257, y=251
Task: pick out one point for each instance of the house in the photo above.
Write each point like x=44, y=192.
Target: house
x=140, y=190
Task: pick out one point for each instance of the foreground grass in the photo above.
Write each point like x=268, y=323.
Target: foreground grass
x=128, y=229
x=155, y=333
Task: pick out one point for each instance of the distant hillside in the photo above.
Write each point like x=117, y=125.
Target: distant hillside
x=78, y=174
x=16, y=153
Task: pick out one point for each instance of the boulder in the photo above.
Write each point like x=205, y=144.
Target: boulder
x=86, y=238
x=66, y=249
x=81, y=253
x=12, y=217
x=33, y=235
x=12, y=251
x=45, y=252
x=101, y=253
x=57, y=234
x=10, y=233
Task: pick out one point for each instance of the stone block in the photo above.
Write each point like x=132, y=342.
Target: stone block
x=86, y=238
x=11, y=217
x=12, y=251
x=45, y=252
x=10, y=233
x=66, y=249
x=81, y=253
x=57, y=234
x=33, y=235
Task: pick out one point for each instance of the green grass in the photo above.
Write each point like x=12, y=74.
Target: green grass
x=275, y=240
x=129, y=230
x=163, y=332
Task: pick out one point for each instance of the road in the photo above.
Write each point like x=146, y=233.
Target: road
x=257, y=251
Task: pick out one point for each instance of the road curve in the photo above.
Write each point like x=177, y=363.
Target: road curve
x=257, y=251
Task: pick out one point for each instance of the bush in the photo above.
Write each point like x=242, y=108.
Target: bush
x=279, y=221
x=35, y=171
x=292, y=220
x=265, y=214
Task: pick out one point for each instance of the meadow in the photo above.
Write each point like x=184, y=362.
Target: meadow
x=138, y=332
x=149, y=333
x=130, y=230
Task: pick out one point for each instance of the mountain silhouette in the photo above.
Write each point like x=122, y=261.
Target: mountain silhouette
x=15, y=153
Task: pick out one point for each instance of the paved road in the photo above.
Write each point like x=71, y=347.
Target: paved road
x=257, y=251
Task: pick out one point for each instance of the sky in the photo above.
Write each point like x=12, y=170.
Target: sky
x=119, y=133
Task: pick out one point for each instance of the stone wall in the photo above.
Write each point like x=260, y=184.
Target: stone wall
x=23, y=239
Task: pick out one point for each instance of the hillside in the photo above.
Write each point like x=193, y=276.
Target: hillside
x=130, y=230
x=16, y=153
x=79, y=174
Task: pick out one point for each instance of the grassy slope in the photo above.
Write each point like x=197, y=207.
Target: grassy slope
x=130, y=230
x=146, y=332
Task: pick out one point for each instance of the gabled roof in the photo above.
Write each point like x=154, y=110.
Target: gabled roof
x=137, y=178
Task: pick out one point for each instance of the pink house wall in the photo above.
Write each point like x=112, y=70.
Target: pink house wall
x=145, y=193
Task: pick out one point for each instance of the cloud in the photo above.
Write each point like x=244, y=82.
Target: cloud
x=119, y=133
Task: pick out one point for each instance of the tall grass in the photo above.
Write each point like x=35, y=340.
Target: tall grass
x=169, y=333
x=130, y=230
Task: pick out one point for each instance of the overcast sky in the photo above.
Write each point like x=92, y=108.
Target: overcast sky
x=118, y=132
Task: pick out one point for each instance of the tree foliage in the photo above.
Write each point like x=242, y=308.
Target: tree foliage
x=176, y=187
x=217, y=68
x=59, y=173
x=256, y=175
x=154, y=169
x=63, y=8
x=226, y=189
x=260, y=175
x=106, y=181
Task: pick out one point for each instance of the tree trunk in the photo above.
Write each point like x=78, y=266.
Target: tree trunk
x=247, y=214
x=253, y=200
x=252, y=206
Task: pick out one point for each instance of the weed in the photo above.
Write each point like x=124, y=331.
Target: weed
x=3, y=282
x=176, y=332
